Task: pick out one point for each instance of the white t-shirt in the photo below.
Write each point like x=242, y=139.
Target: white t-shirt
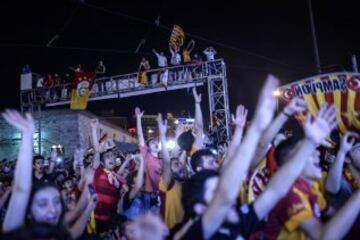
x=175, y=59
x=162, y=61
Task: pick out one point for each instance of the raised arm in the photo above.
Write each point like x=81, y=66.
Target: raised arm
x=199, y=123
x=166, y=169
x=51, y=167
x=179, y=130
x=206, y=50
x=88, y=179
x=171, y=51
x=139, y=130
x=95, y=141
x=190, y=45
x=283, y=180
x=296, y=105
x=334, y=176
x=139, y=179
x=124, y=165
x=79, y=208
x=338, y=225
x=341, y=223
x=239, y=121
x=155, y=52
x=78, y=228
x=22, y=183
x=4, y=197
x=235, y=171
x=79, y=161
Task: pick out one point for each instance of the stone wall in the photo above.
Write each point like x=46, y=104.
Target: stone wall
x=9, y=141
x=65, y=127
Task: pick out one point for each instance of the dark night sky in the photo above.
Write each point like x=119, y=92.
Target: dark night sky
x=279, y=30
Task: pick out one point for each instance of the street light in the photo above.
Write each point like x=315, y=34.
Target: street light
x=277, y=93
x=170, y=144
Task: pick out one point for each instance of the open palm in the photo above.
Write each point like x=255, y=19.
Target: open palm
x=24, y=124
x=323, y=124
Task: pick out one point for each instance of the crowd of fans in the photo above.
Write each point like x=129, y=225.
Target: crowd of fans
x=177, y=57
x=262, y=184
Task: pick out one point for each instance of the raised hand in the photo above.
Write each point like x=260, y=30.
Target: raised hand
x=321, y=127
x=266, y=104
x=296, y=105
x=139, y=159
x=197, y=97
x=79, y=155
x=138, y=112
x=53, y=155
x=153, y=222
x=24, y=124
x=162, y=125
x=347, y=141
x=94, y=123
x=240, y=118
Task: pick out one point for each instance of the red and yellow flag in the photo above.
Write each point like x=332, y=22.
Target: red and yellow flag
x=341, y=89
x=177, y=38
x=80, y=93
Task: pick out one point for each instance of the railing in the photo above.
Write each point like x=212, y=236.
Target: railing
x=128, y=82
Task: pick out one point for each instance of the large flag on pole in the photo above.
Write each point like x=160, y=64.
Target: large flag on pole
x=341, y=89
x=177, y=38
x=80, y=93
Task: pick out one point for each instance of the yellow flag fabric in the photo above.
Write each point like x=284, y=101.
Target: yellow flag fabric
x=80, y=93
x=91, y=226
x=340, y=88
x=79, y=102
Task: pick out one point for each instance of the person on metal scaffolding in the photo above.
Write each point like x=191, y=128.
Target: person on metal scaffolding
x=144, y=66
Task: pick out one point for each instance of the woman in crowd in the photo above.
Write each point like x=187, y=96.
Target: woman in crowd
x=39, y=209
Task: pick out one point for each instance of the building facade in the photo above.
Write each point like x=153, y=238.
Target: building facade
x=67, y=128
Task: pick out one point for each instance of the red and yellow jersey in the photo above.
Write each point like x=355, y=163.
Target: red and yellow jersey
x=258, y=179
x=299, y=205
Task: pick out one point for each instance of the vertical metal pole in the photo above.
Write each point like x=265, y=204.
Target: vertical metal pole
x=39, y=131
x=210, y=97
x=314, y=38
x=226, y=100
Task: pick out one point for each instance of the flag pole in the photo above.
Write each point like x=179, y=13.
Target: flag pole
x=314, y=38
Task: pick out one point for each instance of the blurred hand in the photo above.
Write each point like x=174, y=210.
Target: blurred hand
x=321, y=127
x=197, y=97
x=162, y=125
x=347, y=141
x=79, y=155
x=296, y=105
x=94, y=123
x=138, y=112
x=266, y=103
x=152, y=227
x=240, y=118
x=24, y=124
x=53, y=155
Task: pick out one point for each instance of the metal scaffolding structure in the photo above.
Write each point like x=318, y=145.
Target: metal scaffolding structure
x=121, y=86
